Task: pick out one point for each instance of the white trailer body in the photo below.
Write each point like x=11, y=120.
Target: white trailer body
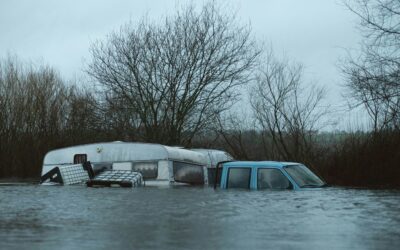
x=154, y=161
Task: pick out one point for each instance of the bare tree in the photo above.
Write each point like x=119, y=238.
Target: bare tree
x=177, y=75
x=373, y=78
x=288, y=114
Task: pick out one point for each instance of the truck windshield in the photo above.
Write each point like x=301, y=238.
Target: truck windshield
x=303, y=176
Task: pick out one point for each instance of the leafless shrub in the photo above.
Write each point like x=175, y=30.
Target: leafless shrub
x=40, y=112
x=239, y=136
x=33, y=114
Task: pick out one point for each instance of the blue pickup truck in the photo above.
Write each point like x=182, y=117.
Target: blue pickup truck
x=260, y=175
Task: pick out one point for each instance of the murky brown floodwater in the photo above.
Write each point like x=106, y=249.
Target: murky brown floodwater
x=76, y=217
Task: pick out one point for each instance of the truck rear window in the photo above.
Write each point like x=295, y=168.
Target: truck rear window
x=239, y=178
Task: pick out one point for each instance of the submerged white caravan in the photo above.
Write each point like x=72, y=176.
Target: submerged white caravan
x=156, y=163
x=213, y=156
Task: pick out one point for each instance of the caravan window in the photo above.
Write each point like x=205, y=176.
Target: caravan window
x=188, y=173
x=80, y=158
x=149, y=170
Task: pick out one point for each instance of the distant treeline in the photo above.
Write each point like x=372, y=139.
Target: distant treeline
x=40, y=113
x=177, y=83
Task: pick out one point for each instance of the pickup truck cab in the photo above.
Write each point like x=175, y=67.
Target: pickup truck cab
x=268, y=175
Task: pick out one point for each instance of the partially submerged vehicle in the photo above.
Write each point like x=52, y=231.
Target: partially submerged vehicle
x=267, y=175
x=157, y=164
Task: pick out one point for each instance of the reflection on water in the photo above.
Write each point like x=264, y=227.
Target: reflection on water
x=40, y=217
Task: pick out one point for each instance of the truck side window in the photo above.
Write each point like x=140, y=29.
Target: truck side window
x=239, y=178
x=269, y=178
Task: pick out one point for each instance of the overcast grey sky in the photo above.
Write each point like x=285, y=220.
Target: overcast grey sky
x=59, y=33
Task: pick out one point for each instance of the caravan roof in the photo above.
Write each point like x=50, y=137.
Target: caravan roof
x=124, y=151
x=214, y=156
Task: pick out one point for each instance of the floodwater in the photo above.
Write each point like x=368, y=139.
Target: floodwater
x=76, y=217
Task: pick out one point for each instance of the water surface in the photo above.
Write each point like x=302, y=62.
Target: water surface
x=76, y=217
